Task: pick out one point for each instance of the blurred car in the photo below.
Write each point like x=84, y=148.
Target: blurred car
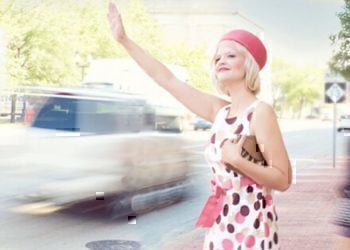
x=83, y=143
x=201, y=123
x=344, y=123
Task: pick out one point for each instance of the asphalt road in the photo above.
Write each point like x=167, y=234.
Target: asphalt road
x=20, y=229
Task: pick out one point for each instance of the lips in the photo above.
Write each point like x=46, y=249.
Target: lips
x=222, y=69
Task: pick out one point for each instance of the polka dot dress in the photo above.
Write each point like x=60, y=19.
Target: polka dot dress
x=248, y=219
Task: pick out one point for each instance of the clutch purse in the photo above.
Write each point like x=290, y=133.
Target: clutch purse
x=251, y=150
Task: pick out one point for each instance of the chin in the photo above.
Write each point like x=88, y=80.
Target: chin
x=228, y=79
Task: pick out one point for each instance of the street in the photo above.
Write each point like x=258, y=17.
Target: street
x=21, y=229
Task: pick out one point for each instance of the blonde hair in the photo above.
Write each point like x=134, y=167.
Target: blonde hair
x=251, y=76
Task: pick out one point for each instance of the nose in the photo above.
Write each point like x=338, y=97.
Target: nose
x=220, y=62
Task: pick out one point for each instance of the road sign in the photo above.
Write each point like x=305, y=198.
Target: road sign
x=335, y=92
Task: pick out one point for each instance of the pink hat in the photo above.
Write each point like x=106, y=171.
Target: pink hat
x=251, y=42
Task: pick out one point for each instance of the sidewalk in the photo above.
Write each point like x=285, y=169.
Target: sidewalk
x=305, y=211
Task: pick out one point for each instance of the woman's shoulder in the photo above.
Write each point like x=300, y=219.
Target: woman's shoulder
x=264, y=107
x=264, y=112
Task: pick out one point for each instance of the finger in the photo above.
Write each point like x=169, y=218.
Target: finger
x=242, y=140
x=236, y=139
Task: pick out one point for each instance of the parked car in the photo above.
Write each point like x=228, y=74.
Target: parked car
x=201, y=123
x=344, y=123
x=82, y=142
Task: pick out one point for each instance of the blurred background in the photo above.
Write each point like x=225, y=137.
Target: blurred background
x=90, y=146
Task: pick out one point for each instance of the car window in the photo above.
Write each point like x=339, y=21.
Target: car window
x=58, y=114
x=102, y=116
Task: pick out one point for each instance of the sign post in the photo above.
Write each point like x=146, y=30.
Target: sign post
x=335, y=93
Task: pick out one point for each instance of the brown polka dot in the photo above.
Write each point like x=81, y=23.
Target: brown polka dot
x=256, y=224
x=240, y=247
x=250, y=189
x=211, y=246
x=231, y=120
x=262, y=245
x=275, y=238
x=235, y=198
x=260, y=196
x=245, y=210
x=213, y=169
x=223, y=142
x=225, y=210
x=239, y=129
x=212, y=139
x=269, y=215
x=230, y=228
x=257, y=205
x=235, y=174
x=228, y=165
x=264, y=203
x=249, y=117
x=218, y=219
x=270, y=245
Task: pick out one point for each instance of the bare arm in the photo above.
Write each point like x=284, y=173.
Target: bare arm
x=278, y=174
x=202, y=104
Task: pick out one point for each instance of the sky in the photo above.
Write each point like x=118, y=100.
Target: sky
x=297, y=30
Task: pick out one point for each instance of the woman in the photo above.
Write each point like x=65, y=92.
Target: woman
x=240, y=214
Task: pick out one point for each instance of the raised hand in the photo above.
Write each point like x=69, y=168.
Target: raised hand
x=116, y=23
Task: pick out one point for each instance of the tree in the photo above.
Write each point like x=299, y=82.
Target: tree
x=44, y=39
x=295, y=87
x=340, y=61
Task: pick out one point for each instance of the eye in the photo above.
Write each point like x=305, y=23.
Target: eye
x=231, y=55
x=216, y=59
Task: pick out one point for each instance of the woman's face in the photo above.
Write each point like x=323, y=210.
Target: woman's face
x=228, y=63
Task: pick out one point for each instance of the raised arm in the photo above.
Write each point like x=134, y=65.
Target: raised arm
x=202, y=104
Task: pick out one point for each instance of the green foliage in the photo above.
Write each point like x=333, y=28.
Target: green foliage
x=340, y=61
x=293, y=87
x=43, y=40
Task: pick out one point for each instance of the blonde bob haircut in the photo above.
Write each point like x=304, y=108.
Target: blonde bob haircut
x=251, y=77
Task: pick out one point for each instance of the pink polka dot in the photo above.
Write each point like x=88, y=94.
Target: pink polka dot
x=240, y=237
x=227, y=184
x=260, y=216
x=268, y=200
x=245, y=181
x=250, y=241
x=267, y=230
x=239, y=218
x=221, y=180
x=222, y=227
x=227, y=244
